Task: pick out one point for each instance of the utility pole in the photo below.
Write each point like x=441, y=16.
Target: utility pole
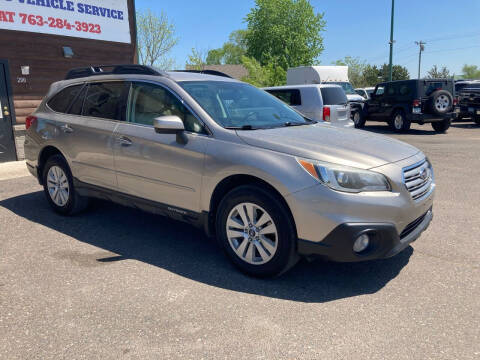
x=421, y=46
x=391, y=43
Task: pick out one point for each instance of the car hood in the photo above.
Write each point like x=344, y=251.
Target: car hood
x=344, y=146
x=355, y=97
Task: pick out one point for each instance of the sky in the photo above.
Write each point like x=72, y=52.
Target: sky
x=354, y=28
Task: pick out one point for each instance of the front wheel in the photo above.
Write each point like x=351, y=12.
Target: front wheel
x=59, y=189
x=256, y=231
x=441, y=126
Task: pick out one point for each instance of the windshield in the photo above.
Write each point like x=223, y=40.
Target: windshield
x=239, y=105
x=347, y=87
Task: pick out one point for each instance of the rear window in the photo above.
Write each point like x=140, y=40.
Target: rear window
x=333, y=96
x=432, y=86
x=106, y=100
x=62, y=101
x=291, y=97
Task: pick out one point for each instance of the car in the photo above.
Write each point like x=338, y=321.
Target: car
x=468, y=96
x=317, y=102
x=403, y=102
x=225, y=156
x=365, y=92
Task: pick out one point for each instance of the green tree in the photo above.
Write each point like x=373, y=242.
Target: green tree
x=285, y=33
x=261, y=76
x=398, y=72
x=197, y=59
x=356, y=67
x=156, y=38
x=371, y=75
x=435, y=73
x=471, y=72
x=231, y=52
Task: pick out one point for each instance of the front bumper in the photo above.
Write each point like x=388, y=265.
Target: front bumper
x=384, y=240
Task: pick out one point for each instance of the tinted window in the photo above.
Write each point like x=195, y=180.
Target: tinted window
x=150, y=101
x=106, y=100
x=391, y=89
x=291, y=97
x=333, y=96
x=76, y=107
x=404, y=90
x=61, y=102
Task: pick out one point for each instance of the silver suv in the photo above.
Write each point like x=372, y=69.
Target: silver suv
x=269, y=184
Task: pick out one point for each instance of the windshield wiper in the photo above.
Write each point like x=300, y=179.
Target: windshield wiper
x=243, y=127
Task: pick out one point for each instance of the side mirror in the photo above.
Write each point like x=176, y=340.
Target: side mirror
x=171, y=124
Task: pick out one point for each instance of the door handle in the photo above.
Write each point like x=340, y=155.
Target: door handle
x=66, y=128
x=124, y=141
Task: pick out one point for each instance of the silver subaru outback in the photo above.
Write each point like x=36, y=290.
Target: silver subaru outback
x=220, y=154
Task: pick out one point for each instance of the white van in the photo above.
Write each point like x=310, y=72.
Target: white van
x=317, y=102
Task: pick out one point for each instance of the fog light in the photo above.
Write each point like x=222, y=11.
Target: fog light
x=361, y=243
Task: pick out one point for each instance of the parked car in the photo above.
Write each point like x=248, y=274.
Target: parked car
x=336, y=75
x=317, y=102
x=469, y=102
x=217, y=153
x=403, y=102
x=365, y=92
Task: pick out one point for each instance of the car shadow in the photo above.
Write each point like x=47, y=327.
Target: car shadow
x=385, y=129
x=465, y=125
x=186, y=251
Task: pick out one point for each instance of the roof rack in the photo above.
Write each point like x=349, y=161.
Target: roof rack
x=206, y=72
x=111, y=69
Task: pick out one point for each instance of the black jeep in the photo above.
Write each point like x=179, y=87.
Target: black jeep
x=468, y=96
x=419, y=101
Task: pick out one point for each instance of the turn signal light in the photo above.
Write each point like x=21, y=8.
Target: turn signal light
x=416, y=103
x=29, y=121
x=326, y=113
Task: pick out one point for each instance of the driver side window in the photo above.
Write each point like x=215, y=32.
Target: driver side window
x=380, y=91
x=149, y=101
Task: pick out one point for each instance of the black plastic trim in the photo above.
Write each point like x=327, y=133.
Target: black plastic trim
x=173, y=212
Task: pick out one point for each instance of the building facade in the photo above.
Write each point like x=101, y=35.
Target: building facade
x=40, y=40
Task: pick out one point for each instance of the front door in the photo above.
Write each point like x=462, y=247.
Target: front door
x=7, y=141
x=154, y=166
x=376, y=102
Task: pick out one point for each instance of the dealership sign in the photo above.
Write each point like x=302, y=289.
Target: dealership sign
x=91, y=19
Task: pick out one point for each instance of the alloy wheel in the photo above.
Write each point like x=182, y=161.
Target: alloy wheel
x=58, y=187
x=252, y=233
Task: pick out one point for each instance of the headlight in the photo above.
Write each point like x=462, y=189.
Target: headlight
x=347, y=179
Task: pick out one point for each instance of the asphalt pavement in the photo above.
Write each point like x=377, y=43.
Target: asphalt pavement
x=118, y=283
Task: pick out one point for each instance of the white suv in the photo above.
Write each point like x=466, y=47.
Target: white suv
x=317, y=102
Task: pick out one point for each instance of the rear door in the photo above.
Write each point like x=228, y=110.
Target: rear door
x=86, y=129
x=156, y=166
x=299, y=99
x=334, y=97
x=7, y=142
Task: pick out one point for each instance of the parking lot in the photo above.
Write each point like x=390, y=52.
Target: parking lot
x=120, y=283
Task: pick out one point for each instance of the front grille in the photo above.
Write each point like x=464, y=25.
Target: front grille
x=418, y=179
x=412, y=226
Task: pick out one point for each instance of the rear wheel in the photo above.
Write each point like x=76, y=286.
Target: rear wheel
x=399, y=122
x=59, y=189
x=256, y=232
x=441, y=126
x=358, y=119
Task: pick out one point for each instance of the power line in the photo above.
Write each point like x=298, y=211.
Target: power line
x=461, y=48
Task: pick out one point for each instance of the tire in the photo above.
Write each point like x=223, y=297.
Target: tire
x=441, y=126
x=358, y=119
x=59, y=188
x=260, y=255
x=441, y=102
x=399, y=122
